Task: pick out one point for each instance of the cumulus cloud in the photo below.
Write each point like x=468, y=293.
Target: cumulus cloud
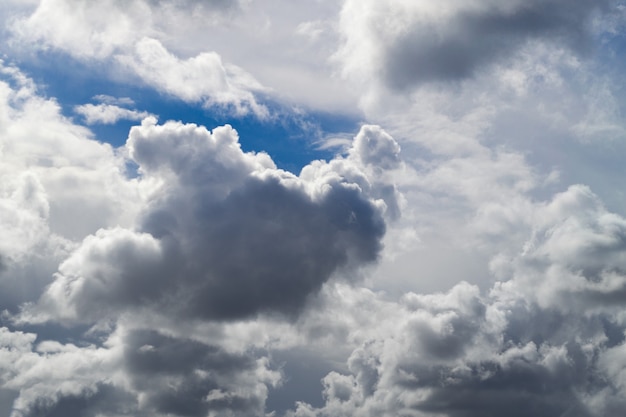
x=129, y=37
x=211, y=283
x=58, y=185
x=225, y=235
x=539, y=342
x=578, y=251
x=137, y=371
x=222, y=234
x=205, y=234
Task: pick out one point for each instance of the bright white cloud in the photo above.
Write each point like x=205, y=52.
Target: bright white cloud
x=108, y=113
x=203, y=78
x=107, y=31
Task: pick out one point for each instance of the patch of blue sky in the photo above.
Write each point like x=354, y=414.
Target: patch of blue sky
x=290, y=136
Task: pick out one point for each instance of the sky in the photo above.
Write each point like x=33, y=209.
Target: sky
x=312, y=208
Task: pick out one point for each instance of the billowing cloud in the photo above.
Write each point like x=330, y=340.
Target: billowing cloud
x=204, y=233
x=538, y=343
x=138, y=371
x=462, y=255
x=58, y=185
x=224, y=234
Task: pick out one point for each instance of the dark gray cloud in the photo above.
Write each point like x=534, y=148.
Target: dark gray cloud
x=454, y=46
x=266, y=247
x=226, y=235
x=184, y=377
x=103, y=400
x=140, y=372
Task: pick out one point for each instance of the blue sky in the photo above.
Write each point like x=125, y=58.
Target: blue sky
x=312, y=209
x=292, y=135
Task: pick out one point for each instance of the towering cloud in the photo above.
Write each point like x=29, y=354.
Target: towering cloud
x=223, y=234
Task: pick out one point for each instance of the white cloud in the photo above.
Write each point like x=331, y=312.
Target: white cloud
x=108, y=113
x=107, y=99
x=108, y=32
x=468, y=274
x=203, y=78
x=297, y=71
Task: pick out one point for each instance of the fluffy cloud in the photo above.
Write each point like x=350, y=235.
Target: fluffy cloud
x=204, y=232
x=575, y=260
x=129, y=37
x=58, y=185
x=137, y=371
x=209, y=282
x=540, y=342
x=224, y=234
x=203, y=78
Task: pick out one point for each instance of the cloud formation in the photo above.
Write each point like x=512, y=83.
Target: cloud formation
x=108, y=113
x=407, y=43
x=462, y=255
x=203, y=78
x=128, y=36
x=224, y=234
x=539, y=342
x=204, y=233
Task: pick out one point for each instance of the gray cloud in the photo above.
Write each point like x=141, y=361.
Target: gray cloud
x=140, y=372
x=226, y=235
x=188, y=378
x=547, y=340
x=418, y=44
x=104, y=400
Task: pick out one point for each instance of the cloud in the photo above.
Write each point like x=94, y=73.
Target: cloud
x=539, y=342
x=184, y=377
x=108, y=113
x=107, y=99
x=129, y=38
x=205, y=234
x=467, y=274
x=291, y=67
x=407, y=43
x=203, y=78
x=225, y=235
x=578, y=251
x=138, y=371
x=58, y=186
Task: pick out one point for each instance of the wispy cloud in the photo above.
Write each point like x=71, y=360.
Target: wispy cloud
x=108, y=113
